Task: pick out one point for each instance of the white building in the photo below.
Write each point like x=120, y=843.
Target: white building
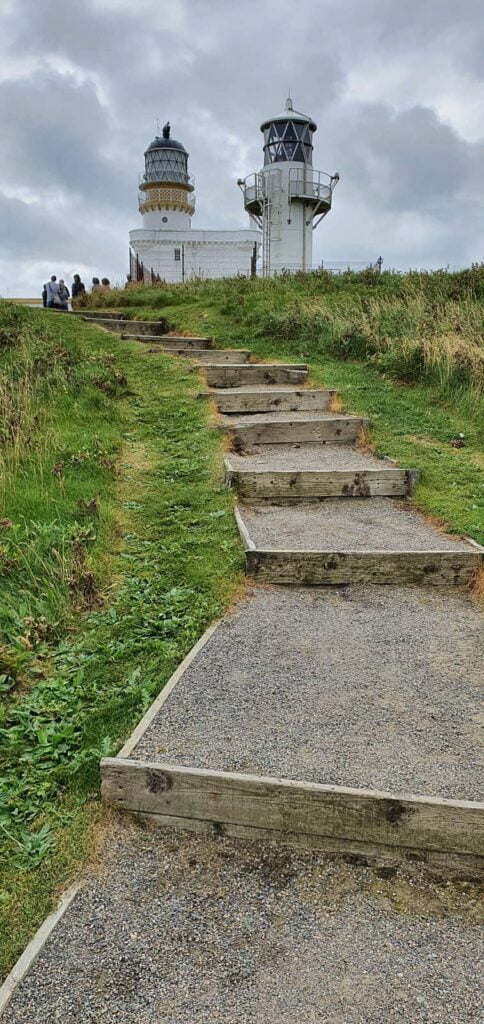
x=166, y=243
x=287, y=199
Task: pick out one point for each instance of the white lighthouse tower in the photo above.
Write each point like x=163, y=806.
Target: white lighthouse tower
x=288, y=198
x=167, y=198
x=165, y=245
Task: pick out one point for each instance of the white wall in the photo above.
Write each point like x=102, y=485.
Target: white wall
x=175, y=220
x=205, y=254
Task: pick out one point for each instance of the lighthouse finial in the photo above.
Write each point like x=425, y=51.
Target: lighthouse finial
x=166, y=130
x=289, y=105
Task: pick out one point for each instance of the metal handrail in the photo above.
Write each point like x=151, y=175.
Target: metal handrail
x=162, y=195
x=306, y=183
x=175, y=178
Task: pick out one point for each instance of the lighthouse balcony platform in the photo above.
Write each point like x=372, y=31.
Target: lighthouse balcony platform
x=301, y=184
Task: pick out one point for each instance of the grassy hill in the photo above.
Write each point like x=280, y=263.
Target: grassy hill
x=405, y=350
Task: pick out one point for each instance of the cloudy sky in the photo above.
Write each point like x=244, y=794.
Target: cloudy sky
x=396, y=87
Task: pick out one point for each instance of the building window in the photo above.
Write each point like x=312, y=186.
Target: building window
x=177, y=254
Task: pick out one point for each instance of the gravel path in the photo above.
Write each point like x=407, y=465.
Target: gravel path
x=362, y=524
x=294, y=458
x=186, y=929
x=359, y=686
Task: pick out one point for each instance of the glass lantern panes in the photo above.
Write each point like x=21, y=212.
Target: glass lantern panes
x=166, y=165
x=288, y=140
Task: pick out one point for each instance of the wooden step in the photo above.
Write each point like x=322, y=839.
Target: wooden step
x=135, y=327
x=216, y=357
x=329, y=483
x=336, y=568
x=311, y=814
x=177, y=343
x=279, y=428
x=335, y=542
x=220, y=356
x=358, y=670
x=255, y=373
x=269, y=399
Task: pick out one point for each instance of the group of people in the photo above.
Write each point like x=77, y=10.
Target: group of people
x=56, y=295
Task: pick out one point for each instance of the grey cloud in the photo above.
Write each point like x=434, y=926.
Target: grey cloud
x=54, y=132
x=74, y=131
x=405, y=161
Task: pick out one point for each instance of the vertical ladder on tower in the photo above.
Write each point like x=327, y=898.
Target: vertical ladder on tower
x=266, y=238
x=270, y=188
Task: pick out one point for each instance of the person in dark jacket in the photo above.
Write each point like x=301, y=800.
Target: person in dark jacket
x=64, y=295
x=78, y=288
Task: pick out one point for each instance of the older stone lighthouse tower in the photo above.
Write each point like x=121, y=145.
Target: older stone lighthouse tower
x=288, y=198
x=167, y=199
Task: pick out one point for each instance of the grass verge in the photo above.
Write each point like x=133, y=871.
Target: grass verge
x=120, y=547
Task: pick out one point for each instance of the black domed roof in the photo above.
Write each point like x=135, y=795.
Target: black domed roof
x=160, y=143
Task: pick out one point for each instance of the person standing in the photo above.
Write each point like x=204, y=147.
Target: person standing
x=51, y=291
x=78, y=288
x=64, y=296
x=96, y=284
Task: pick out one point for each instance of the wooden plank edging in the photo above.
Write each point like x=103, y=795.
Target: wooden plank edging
x=318, y=568
x=363, y=483
x=285, y=806
x=341, y=429
x=253, y=402
x=157, y=704
x=244, y=533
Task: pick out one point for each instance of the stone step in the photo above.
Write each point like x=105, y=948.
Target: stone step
x=303, y=427
x=256, y=373
x=358, y=541
x=171, y=341
x=269, y=399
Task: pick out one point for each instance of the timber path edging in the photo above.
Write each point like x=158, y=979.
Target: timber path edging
x=329, y=815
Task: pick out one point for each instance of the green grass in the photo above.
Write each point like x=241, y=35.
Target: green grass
x=84, y=658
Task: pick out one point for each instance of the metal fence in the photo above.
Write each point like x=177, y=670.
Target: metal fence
x=139, y=273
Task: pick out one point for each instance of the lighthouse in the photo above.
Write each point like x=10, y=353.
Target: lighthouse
x=166, y=245
x=287, y=199
x=167, y=197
